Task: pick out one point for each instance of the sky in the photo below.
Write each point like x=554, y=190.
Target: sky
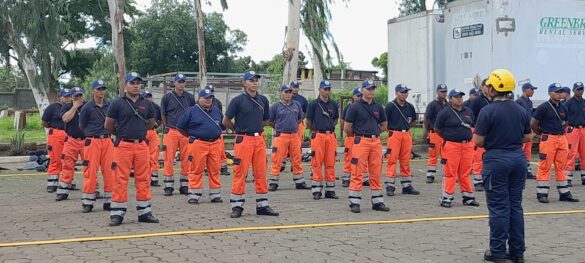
x=359, y=27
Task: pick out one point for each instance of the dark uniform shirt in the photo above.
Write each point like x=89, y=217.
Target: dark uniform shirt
x=467, y=103
x=432, y=111
x=478, y=103
x=526, y=103
x=52, y=116
x=322, y=114
x=344, y=112
x=172, y=109
x=286, y=117
x=128, y=125
x=450, y=125
x=92, y=118
x=365, y=117
x=157, y=113
x=199, y=125
x=249, y=112
x=503, y=124
x=395, y=120
x=302, y=101
x=216, y=103
x=575, y=111
x=72, y=127
x=549, y=122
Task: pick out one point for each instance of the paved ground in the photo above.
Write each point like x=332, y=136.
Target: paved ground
x=30, y=214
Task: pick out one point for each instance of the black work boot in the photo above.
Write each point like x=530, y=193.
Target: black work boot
x=316, y=195
x=380, y=207
x=331, y=195
x=446, y=204
x=344, y=183
x=217, y=200
x=515, y=259
x=236, y=212
x=265, y=211
x=302, y=186
x=61, y=197
x=568, y=197
x=86, y=208
x=147, y=218
x=430, y=179
x=366, y=183
x=193, y=201
x=224, y=171
x=107, y=206
x=470, y=201
x=116, y=220
x=355, y=208
x=272, y=187
x=51, y=189
x=390, y=190
x=543, y=198
x=184, y=190
x=168, y=191
x=154, y=184
x=409, y=190
x=487, y=256
x=478, y=187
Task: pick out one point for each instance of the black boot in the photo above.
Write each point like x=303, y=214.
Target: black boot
x=51, y=189
x=236, y=212
x=568, y=197
x=147, y=218
x=487, y=256
x=478, y=187
x=355, y=208
x=331, y=195
x=217, y=200
x=446, y=204
x=107, y=206
x=390, y=190
x=380, y=207
x=410, y=191
x=61, y=197
x=344, y=183
x=154, y=184
x=266, y=211
x=302, y=186
x=224, y=171
x=272, y=187
x=184, y=190
x=168, y=191
x=316, y=195
x=543, y=198
x=366, y=183
x=515, y=259
x=116, y=220
x=86, y=208
x=430, y=179
x=193, y=201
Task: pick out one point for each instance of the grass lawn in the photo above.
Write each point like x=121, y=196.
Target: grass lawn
x=33, y=132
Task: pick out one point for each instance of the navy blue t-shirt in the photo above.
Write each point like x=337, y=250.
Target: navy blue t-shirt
x=432, y=111
x=216, y=103
x=130, y=126
x=322, y=114
x=549, y=122
x=526, y=103
x=286, y=117
x=172, y=109
x=52, y=116
x=249, y=112
x=72, y=127
x=360, y=115
x=157, y=113
x=477, y=104
x=198, y=125
x=302, y=101
x=395, y=120
x=450, y=125
x=503, y=124
x=575, y=111
x=344, y=112
x=92, y=118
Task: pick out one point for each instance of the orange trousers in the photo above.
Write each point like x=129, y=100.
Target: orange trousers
x=553, y=149
x=174, y=140
x=203, y=155
x=154, y=153
x=97, y=153
x=55, y=143
x=399, y=149
x=284, y=144
x=435, y=142
x=576, y=139
x=72, y=149
x=348, y=145
x=477, y=165
x=323, y=150
x=128, y=155
x=249, y=150
x=366, y=154
x=301, y=132
x=457, y=159
x=223, y=156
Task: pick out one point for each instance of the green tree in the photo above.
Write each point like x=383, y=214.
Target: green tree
x=10, y=79
x=408, y=7
x=382, y=63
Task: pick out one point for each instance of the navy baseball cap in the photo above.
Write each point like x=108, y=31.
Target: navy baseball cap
x=324, y=84
x=205, y=93
x=295, y=84
x=578, y=85
x=64, y=92
x=132, y=76
x=145, y=93
x=368, y=84
x=528, y=85
x=554, y=87
x=473, y=91
x=76, y=91
x=210, y=87
x=180, y=77
x=456, y=92
x=357, y=91
x=442, y=88
x=250, y=75
x=401, y=88
x=285, y=87
x=566, y=90
x=96, y=84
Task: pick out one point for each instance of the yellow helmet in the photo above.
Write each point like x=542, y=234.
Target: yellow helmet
x=502, y=80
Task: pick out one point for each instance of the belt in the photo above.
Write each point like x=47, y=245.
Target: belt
x=255, y=134
x=279, y=132
x=373, y=136
x=192, y=139
x=462, y=141
x=99, y=136
x=77, y=138
x=324, y=131
x=553, y=134
x=577, y=126
x=132, y=140
x=402, y=130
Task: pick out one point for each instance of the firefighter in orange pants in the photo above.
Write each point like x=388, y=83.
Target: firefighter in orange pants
x=201, y=123
x=348, y=143
x=224, y=167
x=322, y=115
x=453, y=124
x=74, y=142
x=98, y=148
x=435, y=141
x=476, y=105
x=153, y=140
x=296, y=87
x=129, y=118
x=575, y=131
x=549, y=121
x=401, y=116
x=250, y=111
x=365, y=120
x=55, y=138
x=525, y=102
x=173, y=104
x=284, y=117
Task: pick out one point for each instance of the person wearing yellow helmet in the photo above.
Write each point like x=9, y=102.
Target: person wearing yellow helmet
x=501, y=128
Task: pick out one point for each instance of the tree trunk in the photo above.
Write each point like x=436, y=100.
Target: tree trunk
x=317, y=66
x=117, y=23
x=291, y=54
x=201, y=44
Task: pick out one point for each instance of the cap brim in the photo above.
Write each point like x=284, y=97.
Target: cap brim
x=457, y=94
x=134, y=78
x=100, y=86
x=255, y=76
x=370, y=86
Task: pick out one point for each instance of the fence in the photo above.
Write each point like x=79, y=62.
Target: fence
x=18, y=99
